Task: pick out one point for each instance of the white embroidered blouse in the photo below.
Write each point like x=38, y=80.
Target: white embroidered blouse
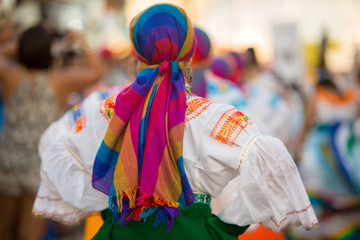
x=220, y=144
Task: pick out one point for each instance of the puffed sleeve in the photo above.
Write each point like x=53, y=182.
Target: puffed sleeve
x=66, y=193
x=268, y=189
x=60, y=127
x=260, y=181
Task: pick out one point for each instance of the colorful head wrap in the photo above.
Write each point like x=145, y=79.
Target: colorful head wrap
x=139, y=163
x=222, y=67
x=227, y=66
x=238, y=60
x=200, y=62
x=239, y=66
x=203, y=46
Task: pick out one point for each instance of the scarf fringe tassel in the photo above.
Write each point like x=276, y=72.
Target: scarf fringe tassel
x=145, y=205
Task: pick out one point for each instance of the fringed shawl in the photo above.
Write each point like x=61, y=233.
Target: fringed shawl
x=139, y=163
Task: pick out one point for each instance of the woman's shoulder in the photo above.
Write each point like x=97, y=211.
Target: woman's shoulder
x=197, y=106
x=222, y=122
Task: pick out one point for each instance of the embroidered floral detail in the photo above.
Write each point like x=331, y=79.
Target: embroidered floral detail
x=195, y=106
x=107, y=107
x=80, y=124
x=229, y=126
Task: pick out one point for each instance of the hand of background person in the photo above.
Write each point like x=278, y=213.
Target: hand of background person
x=73, y=35
x=8, y=49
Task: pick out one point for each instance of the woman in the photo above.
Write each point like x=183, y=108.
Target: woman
x=210, y=76
x=160, y=154
x=328, y=165
x=264, y=93
x=35, y=94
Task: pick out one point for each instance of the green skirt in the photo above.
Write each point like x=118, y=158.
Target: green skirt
x=195, y=222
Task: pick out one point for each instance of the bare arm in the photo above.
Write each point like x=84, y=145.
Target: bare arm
x=76, y=78
x=8, y=49
x=10, y=74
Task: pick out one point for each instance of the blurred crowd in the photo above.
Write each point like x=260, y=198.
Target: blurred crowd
x=45, y=71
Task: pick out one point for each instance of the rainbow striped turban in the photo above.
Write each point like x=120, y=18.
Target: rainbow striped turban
x=227, y=66
x=200, y=62
x=222, y=66
x=239, y=66
x=139, y=163
x=203, y=46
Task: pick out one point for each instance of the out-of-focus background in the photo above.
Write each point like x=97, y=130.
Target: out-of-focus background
x=266, y=25
x=296, y=70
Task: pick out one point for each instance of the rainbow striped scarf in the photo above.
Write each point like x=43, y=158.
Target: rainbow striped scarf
x=139, y=163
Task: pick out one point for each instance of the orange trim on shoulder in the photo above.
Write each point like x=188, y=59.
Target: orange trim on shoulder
x=195, y=106
x=333, y=98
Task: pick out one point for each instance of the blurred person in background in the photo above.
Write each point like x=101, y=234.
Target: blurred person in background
x=6, y=49
x=229, y=66
x=200, y=62
x=328, y=148
x=35, y=94
x=264, y=96
x=209, y=84
x=119, y=67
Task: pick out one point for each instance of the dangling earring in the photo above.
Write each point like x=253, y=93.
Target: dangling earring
x=188, y=80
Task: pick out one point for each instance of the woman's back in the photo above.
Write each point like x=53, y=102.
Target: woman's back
x=29, y=111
